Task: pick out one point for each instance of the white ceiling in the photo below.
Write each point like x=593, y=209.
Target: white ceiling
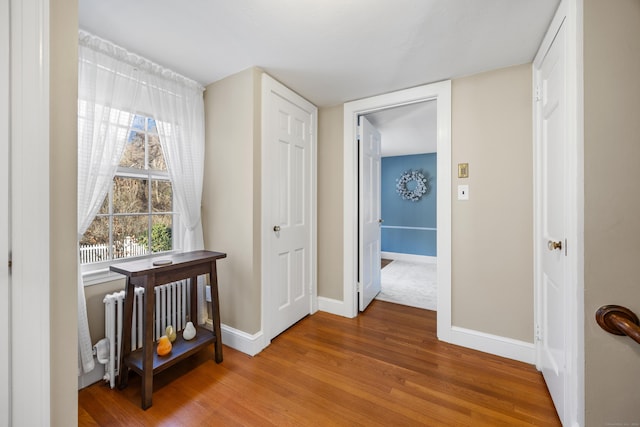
x=329, y=51
x=409, y=129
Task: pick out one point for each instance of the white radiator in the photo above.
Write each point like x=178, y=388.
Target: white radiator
x=172, y=308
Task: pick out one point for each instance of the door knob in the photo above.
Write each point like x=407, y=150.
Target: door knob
x=380, y=221
x=276, y=228
x=554, y=245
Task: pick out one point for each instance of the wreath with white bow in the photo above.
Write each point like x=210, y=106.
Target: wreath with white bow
x=422, y=185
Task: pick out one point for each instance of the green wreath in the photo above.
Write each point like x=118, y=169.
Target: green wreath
x=422, y=188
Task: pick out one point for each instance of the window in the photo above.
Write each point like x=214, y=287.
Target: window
x=136, y=217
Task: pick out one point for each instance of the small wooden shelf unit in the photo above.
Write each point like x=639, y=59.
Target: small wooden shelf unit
x=145, y=361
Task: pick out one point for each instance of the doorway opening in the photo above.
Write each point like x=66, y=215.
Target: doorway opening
x=441, y=94
x=408, y=192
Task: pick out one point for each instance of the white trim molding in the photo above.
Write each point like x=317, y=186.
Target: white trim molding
x=494, y=344
x=396, y=256
x=240, y=340
x=334, y=306
x=441, y=93
x=30, y=214
x=5, y=206
x=403, y=227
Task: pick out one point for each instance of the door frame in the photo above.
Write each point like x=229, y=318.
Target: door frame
x=271, y=86
x=569, y=13
x=5, y=281
x=30, y=213
x=441, y=93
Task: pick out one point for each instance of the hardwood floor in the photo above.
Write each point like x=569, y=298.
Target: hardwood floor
x=383, y=368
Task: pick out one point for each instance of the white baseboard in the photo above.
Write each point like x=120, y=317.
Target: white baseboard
x=409, y=257
x=493, y=344
x=240, y=340
x=488, y=343
x=333, y=306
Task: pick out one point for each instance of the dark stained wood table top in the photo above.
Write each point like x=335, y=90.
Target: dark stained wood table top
x=143, y=267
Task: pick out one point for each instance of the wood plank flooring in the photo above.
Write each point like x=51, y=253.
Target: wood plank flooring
x=383, y=368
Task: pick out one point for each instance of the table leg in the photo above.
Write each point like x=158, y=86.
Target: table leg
x=148, y=346
x=193, y=286
x=215, y=312
x=125, y=342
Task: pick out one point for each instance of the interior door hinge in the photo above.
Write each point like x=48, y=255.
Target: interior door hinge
x=538, y=333
x=538, y=95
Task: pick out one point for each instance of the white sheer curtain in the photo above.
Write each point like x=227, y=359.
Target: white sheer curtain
x=114, y=84
x=108, y=90
x=178, y=107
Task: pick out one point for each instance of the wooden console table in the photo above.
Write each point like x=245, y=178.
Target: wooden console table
x=145, y=361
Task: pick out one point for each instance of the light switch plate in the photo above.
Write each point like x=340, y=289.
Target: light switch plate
x=463, y=192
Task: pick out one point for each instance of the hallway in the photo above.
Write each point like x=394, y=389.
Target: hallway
x=383, y=368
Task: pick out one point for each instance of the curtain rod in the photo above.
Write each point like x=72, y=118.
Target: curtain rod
x=115, y=51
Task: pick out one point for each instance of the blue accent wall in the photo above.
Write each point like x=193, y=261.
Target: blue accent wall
x=413, y=217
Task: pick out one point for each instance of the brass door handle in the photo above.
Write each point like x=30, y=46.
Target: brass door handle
x=276, y=228
x=554, y=245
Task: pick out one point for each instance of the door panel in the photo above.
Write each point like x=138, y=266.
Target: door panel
x=553, y=207
x=288, y=197
x=369, y=272
x=5, y=313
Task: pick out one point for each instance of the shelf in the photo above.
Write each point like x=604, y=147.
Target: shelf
x=187, y=265
x=181, y=350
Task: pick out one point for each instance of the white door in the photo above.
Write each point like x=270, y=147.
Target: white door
x=5, y=318
x=553, y=209
x=370, y=220
x=288, y=198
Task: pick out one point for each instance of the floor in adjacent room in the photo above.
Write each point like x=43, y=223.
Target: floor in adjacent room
x=409, y=283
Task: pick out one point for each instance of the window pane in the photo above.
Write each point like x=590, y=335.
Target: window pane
x=138, y=122
x=133, y=156
x=130, y=234
x=161, y=196
x=116, y=117
x=156, y=158
x=104, y=209
x=130, y=195
x=137, y=218
x=124, y=118
x=94, y=246
x=112, y=131
x=151, y=125
x=161, y=236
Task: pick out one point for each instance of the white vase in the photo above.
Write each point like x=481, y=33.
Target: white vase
x=189, y=331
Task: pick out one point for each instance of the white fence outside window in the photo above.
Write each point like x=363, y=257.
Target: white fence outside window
x=98, y=253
